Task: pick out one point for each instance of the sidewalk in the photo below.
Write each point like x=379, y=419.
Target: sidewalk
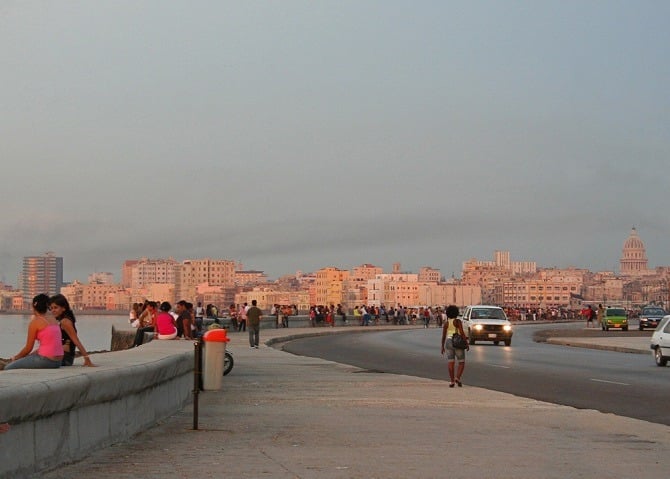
x=284, y=416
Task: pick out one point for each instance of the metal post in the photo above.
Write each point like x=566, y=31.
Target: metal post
x=196, y=382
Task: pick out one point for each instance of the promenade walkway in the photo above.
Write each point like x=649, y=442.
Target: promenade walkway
x=283, y=416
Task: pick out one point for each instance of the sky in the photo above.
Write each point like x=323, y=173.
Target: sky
x=294, y=135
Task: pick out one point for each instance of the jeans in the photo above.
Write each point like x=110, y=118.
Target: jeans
x=254, y=335
x=139, y=335
x=33, y=361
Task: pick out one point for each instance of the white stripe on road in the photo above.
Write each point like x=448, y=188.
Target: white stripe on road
x=609, y=382
x=499, y=366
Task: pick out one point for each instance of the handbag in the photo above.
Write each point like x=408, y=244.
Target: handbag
x=458, y=341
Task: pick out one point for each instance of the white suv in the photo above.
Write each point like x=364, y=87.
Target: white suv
x=487, y=323
x=660, y=342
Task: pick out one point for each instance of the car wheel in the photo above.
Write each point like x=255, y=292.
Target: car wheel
x=625, y=328
x=658, y=356
x=641, y=328
x=471, y=340
x=508, y=342
x=496, y=343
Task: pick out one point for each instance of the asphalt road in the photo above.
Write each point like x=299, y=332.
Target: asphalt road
x=624, y=384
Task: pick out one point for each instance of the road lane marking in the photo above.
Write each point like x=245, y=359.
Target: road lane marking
x=499, y=366
x=609, y=382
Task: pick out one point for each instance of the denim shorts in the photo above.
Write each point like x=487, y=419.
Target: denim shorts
x=453, y=353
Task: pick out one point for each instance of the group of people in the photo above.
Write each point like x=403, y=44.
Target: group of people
x=589, y=314
x=52, y=326
x=159, y=318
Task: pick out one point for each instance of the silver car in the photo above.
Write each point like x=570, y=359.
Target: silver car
x=660, y=342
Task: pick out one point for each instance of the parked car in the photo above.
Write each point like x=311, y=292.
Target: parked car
x=487, y=323
x=651, y=316
x=615, y=318
x=660, y=342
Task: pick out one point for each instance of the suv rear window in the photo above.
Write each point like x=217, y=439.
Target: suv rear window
x=616, y=312
x=653, y=312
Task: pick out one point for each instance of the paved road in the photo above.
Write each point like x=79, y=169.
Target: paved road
x=607, y=381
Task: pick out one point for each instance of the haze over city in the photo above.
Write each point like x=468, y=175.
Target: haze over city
x=296, y=135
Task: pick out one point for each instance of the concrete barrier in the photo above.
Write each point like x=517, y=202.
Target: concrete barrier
x=60, y=416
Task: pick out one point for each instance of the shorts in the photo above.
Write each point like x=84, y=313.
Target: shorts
x=453, y=353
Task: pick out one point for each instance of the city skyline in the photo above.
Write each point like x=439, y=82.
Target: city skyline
x=639, y=255
x=294, y=135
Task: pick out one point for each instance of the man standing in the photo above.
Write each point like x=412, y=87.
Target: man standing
x=199, y=317
x=254, y=315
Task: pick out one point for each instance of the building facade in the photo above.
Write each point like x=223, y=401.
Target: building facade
x=41, y=274
x=633, y=260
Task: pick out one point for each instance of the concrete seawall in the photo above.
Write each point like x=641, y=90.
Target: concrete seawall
x=59, y=416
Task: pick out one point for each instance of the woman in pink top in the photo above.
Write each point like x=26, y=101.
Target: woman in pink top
x=165, y=326
x=46, y=330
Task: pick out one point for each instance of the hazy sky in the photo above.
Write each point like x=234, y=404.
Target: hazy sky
x=293, y=135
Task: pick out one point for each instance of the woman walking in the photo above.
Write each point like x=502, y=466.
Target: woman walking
x=452, y=326
x=60, y=308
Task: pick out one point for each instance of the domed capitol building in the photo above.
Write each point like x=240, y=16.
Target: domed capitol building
x=642, y=285
x=633, y=260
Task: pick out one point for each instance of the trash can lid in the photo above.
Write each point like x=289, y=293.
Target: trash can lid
x=216, y=336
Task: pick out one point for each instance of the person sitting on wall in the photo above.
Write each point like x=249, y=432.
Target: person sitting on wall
x=165, y=322
x=147, y=323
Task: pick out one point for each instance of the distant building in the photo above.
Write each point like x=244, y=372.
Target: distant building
x=101, y=278
x=139, y=273
x=198, y=272
x=41, y=274
x=633, y=260
x=429, y=275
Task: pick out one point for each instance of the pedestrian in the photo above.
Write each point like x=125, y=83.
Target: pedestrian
x=60, y=308
x=589, y=315
x=342, y=314
x=452, y=326
x=254, y=315
x=232, y=311
x=45, y=330
x=242, y=318
x=599, y=316
x=199, y=318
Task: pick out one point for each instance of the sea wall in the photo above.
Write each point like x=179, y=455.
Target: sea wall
x=59, y=416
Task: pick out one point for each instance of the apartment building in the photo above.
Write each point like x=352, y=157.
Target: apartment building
x=136, y=274
x=329, y=286
x=429, y=275
x=212, y=272
x=41, y=274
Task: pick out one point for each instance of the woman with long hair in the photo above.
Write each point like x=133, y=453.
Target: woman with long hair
x=60, y=308
x=46, y=331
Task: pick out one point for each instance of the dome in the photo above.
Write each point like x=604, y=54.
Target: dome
x=633, y=241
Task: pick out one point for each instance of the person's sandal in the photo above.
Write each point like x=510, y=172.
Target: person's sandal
x=451, y=384
x=460, y=384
